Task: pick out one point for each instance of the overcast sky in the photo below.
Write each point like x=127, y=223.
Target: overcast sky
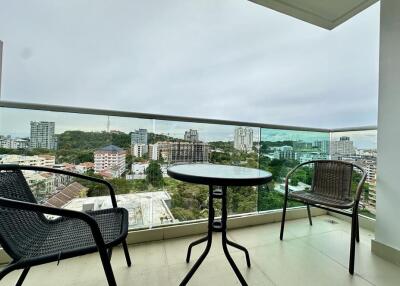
x=226, y=59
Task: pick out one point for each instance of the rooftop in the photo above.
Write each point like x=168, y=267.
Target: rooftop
x=110, y=148
x=146, y=209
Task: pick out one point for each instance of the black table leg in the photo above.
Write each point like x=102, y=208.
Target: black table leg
x=203, y=239
x=208, y=238
x=218, y=227
x=242, y=248
x=225, y=239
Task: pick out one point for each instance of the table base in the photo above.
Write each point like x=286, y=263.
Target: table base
x=216, y=226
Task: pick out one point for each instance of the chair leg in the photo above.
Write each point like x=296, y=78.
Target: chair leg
x=107, y=266
x=109, y=252
x=357, y=230
x=353, y=241
x=127, y=256
x=283, y=216
x=309, y=214
x=22, y=277
x=7, y=270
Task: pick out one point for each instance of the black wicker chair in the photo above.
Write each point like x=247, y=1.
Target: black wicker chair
x=330, y=190
x=30, y=238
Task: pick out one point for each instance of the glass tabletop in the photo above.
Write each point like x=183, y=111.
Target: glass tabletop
x=212, y=174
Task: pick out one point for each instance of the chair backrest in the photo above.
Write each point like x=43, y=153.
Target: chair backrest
x=18, y=228
x=333, y=179
x=14, y=186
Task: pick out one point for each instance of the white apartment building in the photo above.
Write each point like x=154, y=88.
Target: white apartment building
x=243, y=140
x=42, y=135
x=284, y=152
x=139, y=168
x=11, y=143
x=310, y=156
x=343, y=147
x=153, y=151
x=138, y=150
x=111, y=159
x=37, y=160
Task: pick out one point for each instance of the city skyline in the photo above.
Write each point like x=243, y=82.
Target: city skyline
x=211, y=132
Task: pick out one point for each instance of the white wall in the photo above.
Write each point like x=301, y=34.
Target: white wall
x=388, y=185
x=1, y=63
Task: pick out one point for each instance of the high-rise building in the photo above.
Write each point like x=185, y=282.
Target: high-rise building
x=139, y=142
x=111, y=160
x=301, y=145
x=323, y=146
x=243, y=140
x=42, y=135
x=153, y=151
x=191, y=135
x=284, y=152
x=180, y=152
x=343, y=147
x=139, y=137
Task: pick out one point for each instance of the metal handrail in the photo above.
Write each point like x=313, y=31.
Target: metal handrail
x=105, y=112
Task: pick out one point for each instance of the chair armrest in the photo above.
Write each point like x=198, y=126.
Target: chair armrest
x=360, y=183
x=291, y=172
x=26, y=206
x=67, y=173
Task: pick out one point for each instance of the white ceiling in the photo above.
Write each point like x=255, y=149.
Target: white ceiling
x=327, y=14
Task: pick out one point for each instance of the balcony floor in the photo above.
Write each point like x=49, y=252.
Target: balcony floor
x=316, y=255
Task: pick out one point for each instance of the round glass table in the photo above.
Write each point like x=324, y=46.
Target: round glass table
x=218, y=178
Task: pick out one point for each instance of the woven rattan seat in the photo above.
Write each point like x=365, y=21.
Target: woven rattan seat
x=33, y=234
x=331, y=189
x=313, y=198
x=63, y=235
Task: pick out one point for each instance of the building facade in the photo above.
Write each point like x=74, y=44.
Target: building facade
x=13, y=143
x=37, y=160
x=191, y=135
x=284, y=152
x=139, y=136
x=243, y=140
x=110, y=160
x=323, y=146
x=343, y=147
x=42, y=135
x=138, y=150
x=180, y=152
x=139, y=139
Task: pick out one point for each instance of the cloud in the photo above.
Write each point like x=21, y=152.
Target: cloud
x=215, y=59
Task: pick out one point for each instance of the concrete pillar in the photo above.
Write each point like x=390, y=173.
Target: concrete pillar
x=387, y=236
x=1, y=63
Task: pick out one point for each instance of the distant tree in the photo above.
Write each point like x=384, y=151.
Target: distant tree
x=294, y=182
x=154, y=174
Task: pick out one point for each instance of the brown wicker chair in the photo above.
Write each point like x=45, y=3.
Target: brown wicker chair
x=330, y=190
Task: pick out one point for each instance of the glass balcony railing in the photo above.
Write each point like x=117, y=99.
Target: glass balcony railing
x=360, y=147
x=133, y=152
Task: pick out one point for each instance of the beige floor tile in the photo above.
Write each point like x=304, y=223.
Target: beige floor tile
x=294, y=263
x=259, y=235
x=308, y=255
x=176, y=249
x=217, y=271
x=336, y=245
